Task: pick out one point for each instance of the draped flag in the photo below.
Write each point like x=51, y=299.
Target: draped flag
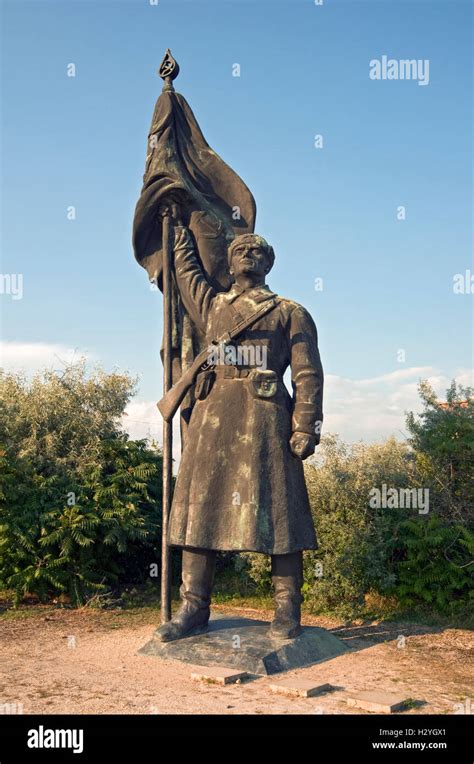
x=215, y=202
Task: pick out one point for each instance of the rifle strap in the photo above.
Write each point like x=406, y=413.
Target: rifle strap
x=241, y=326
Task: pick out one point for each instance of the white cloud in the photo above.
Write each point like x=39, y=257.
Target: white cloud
x=31, y=357
x=375, y=408
x=394, y=376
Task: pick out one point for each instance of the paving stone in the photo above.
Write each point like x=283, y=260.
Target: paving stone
x=218, y=675
x=377, y=702
x=303, y=688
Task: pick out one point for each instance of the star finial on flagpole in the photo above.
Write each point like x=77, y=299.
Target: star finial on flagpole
x=169, y=70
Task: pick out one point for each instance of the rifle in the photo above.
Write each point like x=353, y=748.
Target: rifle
x=173, y=398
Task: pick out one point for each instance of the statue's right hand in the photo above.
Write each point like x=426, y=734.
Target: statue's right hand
x=173, y=209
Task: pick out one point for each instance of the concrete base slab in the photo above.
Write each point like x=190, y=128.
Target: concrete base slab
x=217, y=675
x=302, y=688
x=244, y=644
x=377, y=702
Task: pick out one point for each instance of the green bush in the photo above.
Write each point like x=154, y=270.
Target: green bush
x=355, y=552
x=80, y=503
x=419, y=559
x=436, y=567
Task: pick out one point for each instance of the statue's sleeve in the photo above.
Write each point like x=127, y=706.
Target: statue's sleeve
x=306, y=373
x=196, y=293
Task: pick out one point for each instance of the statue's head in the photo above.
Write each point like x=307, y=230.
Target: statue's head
x=250, y=254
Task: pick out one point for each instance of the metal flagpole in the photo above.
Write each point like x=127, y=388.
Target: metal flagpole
x=168, y=71
x=167, y=426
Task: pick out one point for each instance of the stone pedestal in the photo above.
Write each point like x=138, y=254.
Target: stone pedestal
x=244, y=644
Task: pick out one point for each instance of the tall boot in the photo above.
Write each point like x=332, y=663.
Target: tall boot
x=287, y=577
x=195, y=591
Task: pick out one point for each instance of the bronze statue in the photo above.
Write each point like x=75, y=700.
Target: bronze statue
x=241, y=485
x=228, y=341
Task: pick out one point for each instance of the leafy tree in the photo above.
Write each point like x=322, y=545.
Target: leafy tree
x=436, y=552
x=442, y=438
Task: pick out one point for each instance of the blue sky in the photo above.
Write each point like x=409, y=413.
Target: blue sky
x=329, y=213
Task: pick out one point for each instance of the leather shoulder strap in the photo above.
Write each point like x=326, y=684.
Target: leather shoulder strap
x=246, y=323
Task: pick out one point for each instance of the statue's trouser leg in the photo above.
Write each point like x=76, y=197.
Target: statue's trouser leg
x=196, y=588
x=287, y=577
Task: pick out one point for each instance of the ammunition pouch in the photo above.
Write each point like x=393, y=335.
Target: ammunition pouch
x=204, y=382
x=263, y=383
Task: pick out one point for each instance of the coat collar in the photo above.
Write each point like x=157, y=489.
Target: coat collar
x=257, y=294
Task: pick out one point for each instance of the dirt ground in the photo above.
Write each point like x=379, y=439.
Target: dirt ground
x=78, y=662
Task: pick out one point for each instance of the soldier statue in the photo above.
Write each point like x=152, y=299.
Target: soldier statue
x=241, y=485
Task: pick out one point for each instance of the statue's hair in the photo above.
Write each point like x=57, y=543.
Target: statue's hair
x=251, y=238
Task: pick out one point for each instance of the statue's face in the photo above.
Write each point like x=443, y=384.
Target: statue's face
x=249, y=259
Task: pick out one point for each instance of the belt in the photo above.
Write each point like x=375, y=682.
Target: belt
x=228, y=371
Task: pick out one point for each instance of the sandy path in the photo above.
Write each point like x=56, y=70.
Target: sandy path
x=45, y=672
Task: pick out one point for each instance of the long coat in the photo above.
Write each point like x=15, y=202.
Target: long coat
x=239, y=487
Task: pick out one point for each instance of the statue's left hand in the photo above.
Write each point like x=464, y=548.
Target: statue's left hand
x=302, y=445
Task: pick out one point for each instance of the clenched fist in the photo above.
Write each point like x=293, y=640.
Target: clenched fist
x=302, y=445
x=172, y=208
